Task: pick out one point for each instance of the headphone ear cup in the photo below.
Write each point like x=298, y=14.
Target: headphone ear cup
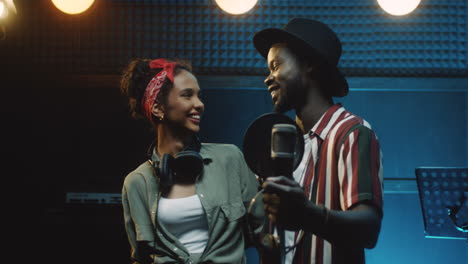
x=165, y=170
x=188, y=163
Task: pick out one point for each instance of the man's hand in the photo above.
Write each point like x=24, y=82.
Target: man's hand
x=284, y=202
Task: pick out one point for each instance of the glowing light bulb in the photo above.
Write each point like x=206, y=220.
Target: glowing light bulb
x=73, y=7
x=398, y=7
x=236, y=7
x=2, y=10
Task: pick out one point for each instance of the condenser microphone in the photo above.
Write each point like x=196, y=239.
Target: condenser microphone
x=283, y=149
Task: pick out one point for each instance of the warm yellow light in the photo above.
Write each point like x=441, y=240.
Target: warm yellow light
x=398, y=7
x=73, y=7
x=2, y=9
x=236, y=7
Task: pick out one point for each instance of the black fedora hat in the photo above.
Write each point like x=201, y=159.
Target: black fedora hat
x=309, y=38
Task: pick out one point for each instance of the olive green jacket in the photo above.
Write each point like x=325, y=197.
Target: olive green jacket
x=225, y=187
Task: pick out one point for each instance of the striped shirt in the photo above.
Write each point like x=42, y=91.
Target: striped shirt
x=342, y=166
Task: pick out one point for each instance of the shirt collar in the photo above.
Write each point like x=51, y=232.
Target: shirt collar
x=203, y=153
x=326, y=121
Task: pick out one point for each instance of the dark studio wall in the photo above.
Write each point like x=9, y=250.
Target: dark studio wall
x=67, y=129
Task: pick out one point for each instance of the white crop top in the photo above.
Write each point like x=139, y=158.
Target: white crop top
x=186, y=220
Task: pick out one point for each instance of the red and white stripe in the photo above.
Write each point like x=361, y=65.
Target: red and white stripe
x=337, y=179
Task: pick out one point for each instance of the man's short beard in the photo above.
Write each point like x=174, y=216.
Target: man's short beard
x=293, y=96
x=282, y=106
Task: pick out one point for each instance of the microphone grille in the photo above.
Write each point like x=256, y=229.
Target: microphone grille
x=283, y=141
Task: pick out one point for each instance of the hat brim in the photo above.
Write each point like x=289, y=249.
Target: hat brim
x=264, y=39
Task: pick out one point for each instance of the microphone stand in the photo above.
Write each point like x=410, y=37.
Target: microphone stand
x=272, y=155
x=284, y=168
x=282, y=245
x=283, y=143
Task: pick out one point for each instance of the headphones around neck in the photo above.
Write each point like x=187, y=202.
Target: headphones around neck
x=184, y=167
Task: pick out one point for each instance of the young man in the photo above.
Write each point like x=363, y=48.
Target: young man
x=333, y=206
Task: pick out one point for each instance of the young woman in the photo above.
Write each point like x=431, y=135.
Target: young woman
x=186, y=203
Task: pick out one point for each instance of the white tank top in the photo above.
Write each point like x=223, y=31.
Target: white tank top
x=186, y=220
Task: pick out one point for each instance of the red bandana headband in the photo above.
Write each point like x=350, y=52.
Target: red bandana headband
x=154, y=86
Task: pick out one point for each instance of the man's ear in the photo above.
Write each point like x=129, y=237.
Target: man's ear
x=158, y=111
x=311, y=67
x=313, y=71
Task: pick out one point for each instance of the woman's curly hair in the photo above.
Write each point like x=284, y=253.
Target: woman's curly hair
x=136, y=77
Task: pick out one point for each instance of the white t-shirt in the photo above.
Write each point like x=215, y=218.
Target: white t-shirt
x=298, y=175
x=186, y=220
